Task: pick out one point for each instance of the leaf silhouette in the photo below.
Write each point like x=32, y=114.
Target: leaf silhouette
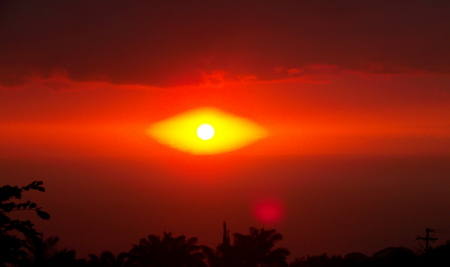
x=44, y=215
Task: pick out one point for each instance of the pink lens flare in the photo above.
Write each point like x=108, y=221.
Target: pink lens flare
x=269, y=211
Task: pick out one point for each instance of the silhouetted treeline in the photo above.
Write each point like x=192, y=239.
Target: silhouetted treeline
x=21, y=245
x=389, y=257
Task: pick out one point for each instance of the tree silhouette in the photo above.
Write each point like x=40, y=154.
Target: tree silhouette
x=439, y=256
x=40, y=250
x=394, y=256
x=44, y=253
x=167, y=252
x=108, y=259
x=324, y=261
x=253, y=250
x=257, y=249
x=222, y=257
x=66, y=258
x=11, y=246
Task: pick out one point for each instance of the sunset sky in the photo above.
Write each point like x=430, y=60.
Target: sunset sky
x=354, y=98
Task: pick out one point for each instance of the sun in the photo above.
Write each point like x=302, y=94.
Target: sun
x=205, y=131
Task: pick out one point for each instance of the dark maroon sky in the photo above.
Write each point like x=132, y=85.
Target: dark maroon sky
x=166, y=43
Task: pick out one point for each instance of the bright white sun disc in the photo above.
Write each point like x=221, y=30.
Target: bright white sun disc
x=205, y=131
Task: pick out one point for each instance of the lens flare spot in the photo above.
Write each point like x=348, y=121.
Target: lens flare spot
x=268, y=211
x=205, y=131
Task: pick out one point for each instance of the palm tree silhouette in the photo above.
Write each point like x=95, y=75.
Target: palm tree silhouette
x=44, y=252
x=257, y=249
x=66, y=258
x=108, y=259
x=167, y=252
x=41, y=250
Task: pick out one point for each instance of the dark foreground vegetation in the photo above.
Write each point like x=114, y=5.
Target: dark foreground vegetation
x=21, y=245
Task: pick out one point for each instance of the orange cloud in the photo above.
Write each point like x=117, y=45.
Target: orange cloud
x=59, y=82
x=294, y=71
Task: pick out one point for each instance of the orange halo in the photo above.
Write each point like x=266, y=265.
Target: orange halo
x=231, y=132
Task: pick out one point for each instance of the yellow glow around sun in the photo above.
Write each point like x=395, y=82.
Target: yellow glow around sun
x=206, y=131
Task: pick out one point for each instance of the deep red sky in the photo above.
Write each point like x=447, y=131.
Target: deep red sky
x=355, y=95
